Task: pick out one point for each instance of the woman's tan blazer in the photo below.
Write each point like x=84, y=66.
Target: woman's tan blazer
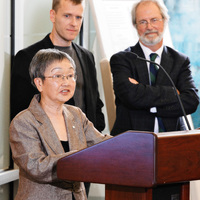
x=36, y=149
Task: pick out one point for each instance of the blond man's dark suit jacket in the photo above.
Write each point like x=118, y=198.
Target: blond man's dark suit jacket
x=36, y=149
x=133, y=101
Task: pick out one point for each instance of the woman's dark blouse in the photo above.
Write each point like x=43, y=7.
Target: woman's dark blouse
x=65, y=145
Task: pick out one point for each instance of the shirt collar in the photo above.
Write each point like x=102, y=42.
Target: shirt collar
x=148, y=51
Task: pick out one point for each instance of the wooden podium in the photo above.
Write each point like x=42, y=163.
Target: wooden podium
x=134, y=165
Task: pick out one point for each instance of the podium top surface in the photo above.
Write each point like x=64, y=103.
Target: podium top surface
x=178, y=133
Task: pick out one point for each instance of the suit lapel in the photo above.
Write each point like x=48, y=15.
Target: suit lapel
x=74, y=130
x=82, y=59
x=141, y=66
x=71, y=128
x=46, y=130
x=49, y=135
x=85, y=67
x=167, y=64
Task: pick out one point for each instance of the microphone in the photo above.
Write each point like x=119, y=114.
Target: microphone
x=135, y=56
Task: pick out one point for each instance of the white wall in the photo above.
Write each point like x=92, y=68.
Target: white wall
x=32, y=21
x=4, y=92
x=4, y=82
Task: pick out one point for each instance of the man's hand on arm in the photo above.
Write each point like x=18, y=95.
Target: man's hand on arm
x=133, y=81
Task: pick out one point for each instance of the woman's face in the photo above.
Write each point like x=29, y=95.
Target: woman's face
x=59, y=83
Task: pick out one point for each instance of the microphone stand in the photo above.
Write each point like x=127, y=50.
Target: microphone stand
x=177, y=95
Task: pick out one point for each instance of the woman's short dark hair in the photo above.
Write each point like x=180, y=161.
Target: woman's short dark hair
x=43, y=59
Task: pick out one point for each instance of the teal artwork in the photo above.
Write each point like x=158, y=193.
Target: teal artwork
x=184, y=28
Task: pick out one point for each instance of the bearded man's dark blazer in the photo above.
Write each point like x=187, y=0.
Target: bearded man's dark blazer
x=133, y=101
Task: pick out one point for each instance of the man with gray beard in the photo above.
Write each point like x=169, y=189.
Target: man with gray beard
x=145, y=98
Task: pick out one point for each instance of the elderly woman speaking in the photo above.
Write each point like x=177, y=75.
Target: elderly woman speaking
x=49, y=130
